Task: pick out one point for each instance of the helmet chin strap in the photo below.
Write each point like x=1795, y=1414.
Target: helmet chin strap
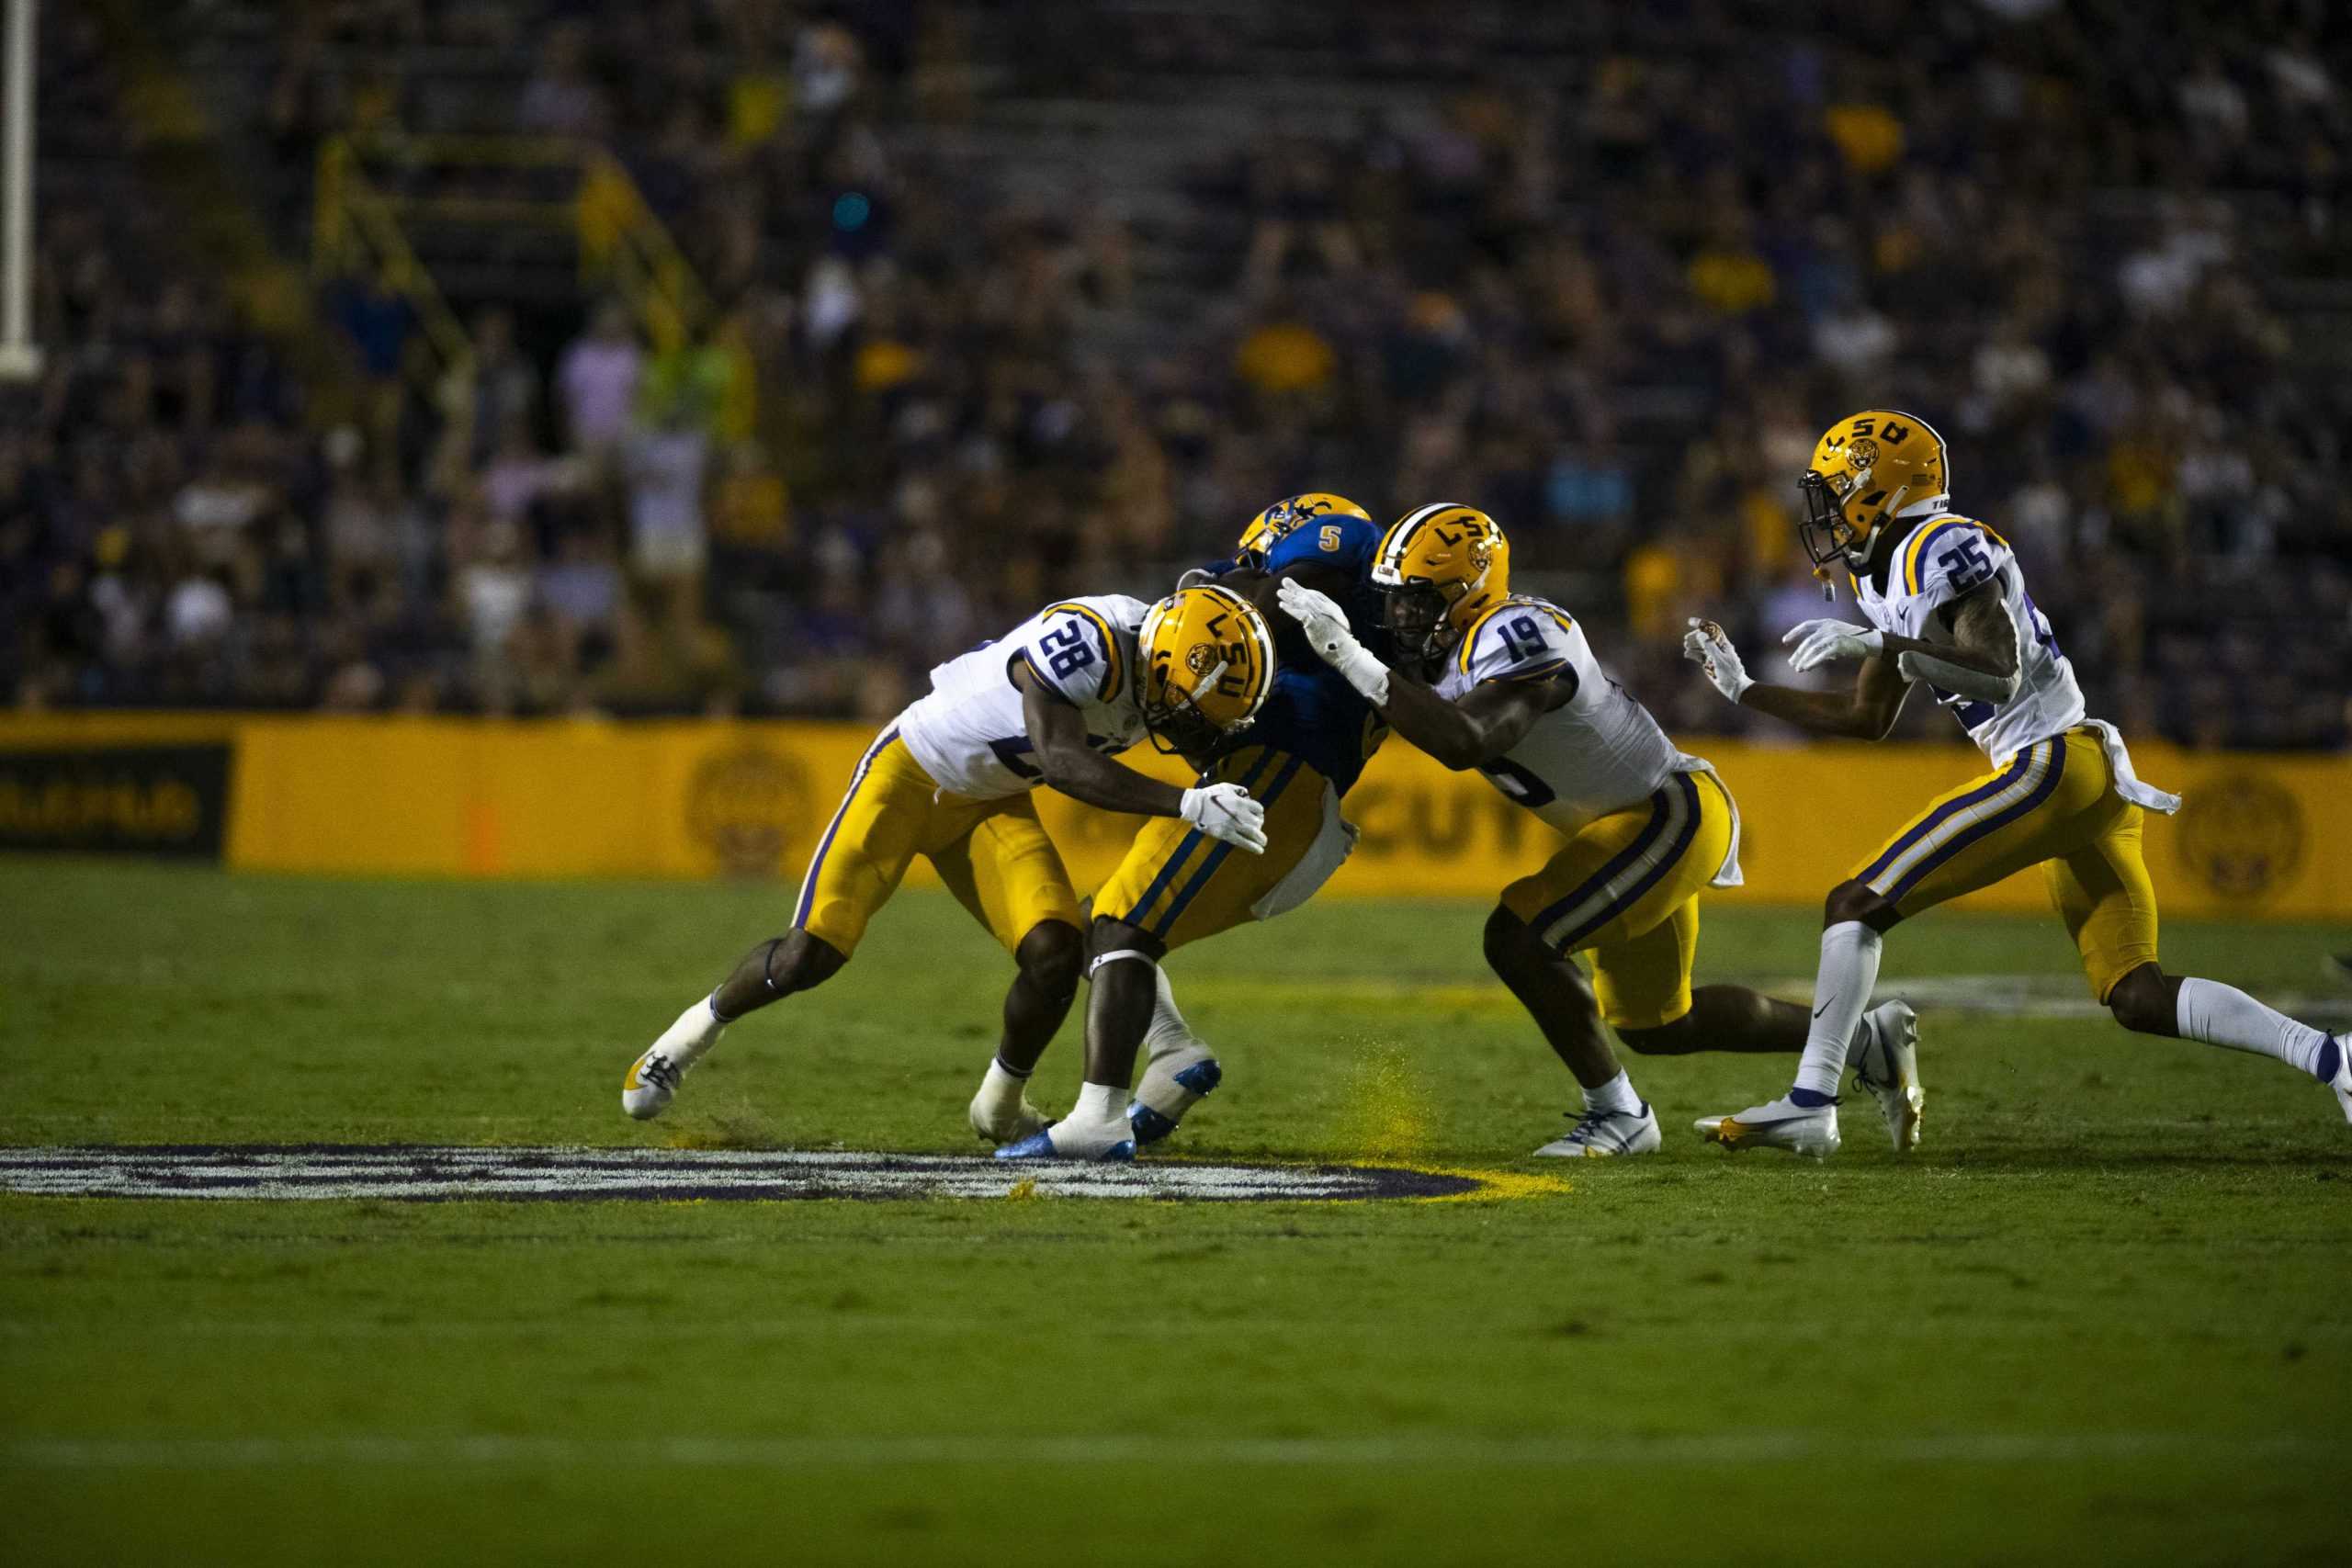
x=1892, y=508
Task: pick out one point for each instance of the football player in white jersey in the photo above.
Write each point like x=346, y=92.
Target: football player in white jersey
x=1508, y=685
x=1949, y=610
x=949, y=779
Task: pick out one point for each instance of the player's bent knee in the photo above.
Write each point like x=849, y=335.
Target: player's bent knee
x=1855, y=900
x=1678, y=1038
x=775, y=969
x=800, y=962
x=1053, y=956
x=2146, y=1001
x=1112, y=939
x=1510, y=946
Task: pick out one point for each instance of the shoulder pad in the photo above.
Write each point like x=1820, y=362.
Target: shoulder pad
x=1950, y=557
x=1519, y=640
x=1074, y=649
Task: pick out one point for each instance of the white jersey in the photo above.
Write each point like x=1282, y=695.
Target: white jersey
x=1944, y=559
x=971, y=734
x=1600, y=752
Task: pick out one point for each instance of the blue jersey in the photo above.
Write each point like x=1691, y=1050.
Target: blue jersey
x=1318, y=717
x=1312, y=713
x=1345, y=544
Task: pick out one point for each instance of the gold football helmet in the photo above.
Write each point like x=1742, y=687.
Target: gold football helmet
x=1866, y=468
x=1438, y=567
x=1208, y=662
x=1269, y=527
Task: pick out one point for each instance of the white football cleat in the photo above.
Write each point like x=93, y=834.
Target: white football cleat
x=653, y=1080
x=652, y=1083
x=1811, y=1130
x=1103, y=1141
x=1023, y=1121
x=1888, y=1066
x=1603, y=1134
x=1172, y=1084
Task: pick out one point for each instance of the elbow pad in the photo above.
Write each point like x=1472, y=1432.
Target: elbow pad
x=1958, y=679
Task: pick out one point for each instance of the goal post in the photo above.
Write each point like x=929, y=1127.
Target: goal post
x=19, y=355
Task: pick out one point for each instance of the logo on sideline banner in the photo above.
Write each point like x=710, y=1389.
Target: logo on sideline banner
x=140, y=800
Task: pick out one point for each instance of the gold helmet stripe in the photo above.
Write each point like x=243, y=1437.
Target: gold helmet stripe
x=1109, y=644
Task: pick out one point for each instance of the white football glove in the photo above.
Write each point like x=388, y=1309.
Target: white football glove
x=1826, y=641
x=1706, y=646
x=1326, y=625
x=1225, y=812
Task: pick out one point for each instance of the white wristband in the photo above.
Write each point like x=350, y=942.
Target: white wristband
x=1367, y=674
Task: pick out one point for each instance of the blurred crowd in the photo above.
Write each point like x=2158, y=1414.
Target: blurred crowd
x=1605, y=277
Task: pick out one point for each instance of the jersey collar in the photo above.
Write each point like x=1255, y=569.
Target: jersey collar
x=1911, y=521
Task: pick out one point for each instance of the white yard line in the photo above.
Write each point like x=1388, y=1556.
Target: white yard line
x=1416, y=1451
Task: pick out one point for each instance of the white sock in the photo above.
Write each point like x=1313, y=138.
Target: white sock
x=1860, y=1042
x=1100, y=1102
x=696, y=1031
x=1616, y=1097
x=1850, y=952
x=1168, y=1032
x=1000, y=1093
x=2223, y=1015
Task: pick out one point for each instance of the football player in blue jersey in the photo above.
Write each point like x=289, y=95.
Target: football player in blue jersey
x=1302, y=754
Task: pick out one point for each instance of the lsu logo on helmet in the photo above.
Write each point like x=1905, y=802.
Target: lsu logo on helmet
x=1208, y=662
x=1273, y=524
x=1866, y=468
x=1438, y=568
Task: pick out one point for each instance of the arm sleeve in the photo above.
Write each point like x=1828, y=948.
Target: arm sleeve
x=1521, y=642
x=1071, y=649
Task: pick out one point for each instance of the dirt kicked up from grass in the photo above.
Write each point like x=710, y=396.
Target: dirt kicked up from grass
x=2102, y=1316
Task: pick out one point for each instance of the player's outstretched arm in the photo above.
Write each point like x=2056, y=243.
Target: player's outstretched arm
x=1057, y=730
x=1482, y=726
x=1475, y=730
x=1264, y=590
x=1057, y=735
x=1865, y=712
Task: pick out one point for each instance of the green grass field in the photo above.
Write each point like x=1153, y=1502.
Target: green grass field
x=2105, y=1315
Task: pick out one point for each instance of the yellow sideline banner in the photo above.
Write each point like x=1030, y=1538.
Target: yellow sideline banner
x=698, y=798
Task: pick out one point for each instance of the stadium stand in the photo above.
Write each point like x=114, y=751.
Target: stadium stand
x=752, y=357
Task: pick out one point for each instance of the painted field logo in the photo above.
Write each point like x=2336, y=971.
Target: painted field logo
x=2242, y=836
x=745, y=805
x=420, y=1174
